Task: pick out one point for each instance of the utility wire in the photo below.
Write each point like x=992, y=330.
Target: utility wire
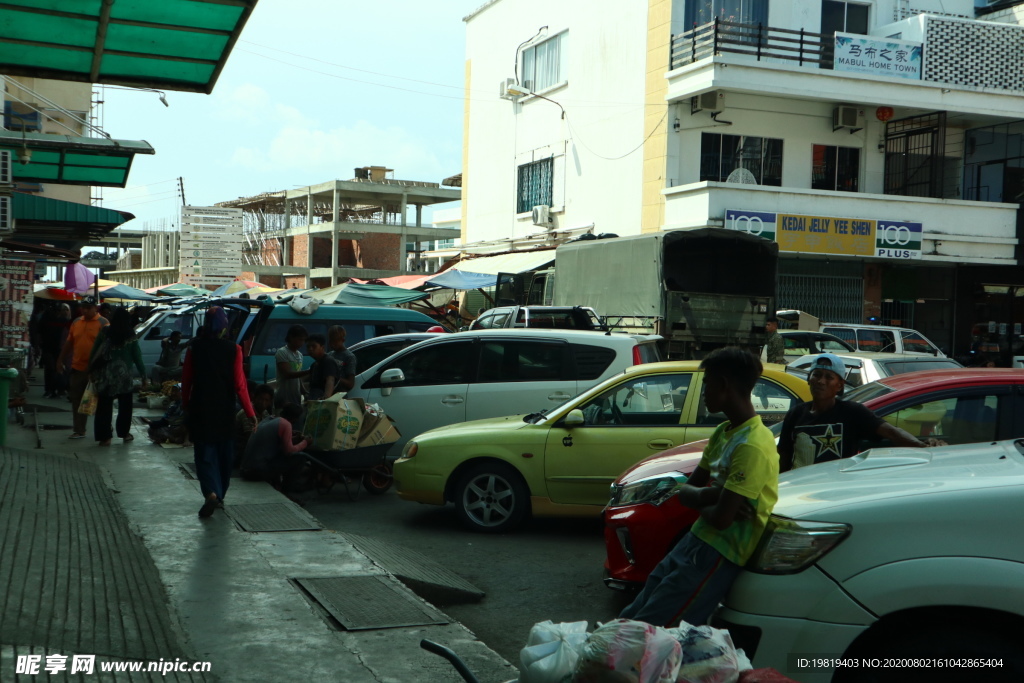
x=575, y=136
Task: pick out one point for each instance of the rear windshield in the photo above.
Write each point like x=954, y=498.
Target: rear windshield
x=650, y=352
x=898, y=367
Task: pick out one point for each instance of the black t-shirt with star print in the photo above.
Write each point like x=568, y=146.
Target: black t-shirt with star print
x=833, y=434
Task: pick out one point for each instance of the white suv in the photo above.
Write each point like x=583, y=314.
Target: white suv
x=876, y=566
x=490, y=373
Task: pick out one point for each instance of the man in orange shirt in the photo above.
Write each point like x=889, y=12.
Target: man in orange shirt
x=79, y=345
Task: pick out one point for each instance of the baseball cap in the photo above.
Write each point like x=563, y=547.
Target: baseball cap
x=87, y=301
x=829, y=361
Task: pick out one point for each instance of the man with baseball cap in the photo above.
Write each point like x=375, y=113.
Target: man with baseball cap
x=828, y=428
x=79, y=344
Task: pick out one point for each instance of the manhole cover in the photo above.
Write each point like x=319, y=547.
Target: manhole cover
x=361, y=603
x=271, y=517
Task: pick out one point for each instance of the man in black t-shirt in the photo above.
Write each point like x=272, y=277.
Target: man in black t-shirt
x=324, y=374
x=827, y=428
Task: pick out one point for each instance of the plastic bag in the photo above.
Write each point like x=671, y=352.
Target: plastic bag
x=304, y=304
x=626, y=651
x=90, y=399
x=551, y=652
x=708, y=655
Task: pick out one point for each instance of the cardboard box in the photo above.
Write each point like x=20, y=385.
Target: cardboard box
x=383, y=430
x=334, y=423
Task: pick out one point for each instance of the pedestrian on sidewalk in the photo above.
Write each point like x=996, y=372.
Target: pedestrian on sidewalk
x=274, y=452
x=114, y=352
x=210, y=380
x=734, y=488
x=78, y=347
x=53, y=334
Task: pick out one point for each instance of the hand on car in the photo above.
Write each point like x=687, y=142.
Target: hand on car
x=934, y=443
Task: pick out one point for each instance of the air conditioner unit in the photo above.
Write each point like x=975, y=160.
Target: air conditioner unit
x=5, y=167
x=504, y=86
x=542, y=214
x=845, y=116
x=712, y=102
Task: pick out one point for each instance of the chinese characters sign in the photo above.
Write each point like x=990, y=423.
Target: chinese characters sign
x=16, y=280
x=877, y=56
x=831, y=234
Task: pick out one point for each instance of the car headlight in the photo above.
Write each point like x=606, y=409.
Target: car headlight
x=410, y=449
x=654, y=490
x=789, y=546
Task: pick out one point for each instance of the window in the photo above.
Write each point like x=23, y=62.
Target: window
x=544, y=63
x=591, y=361
x=522, y=361
x=843, y=17
x=914, y=342
x=650, y=401
x=700, y=12
x=369, y=356
x=770, y=400
x=725, y=157
x=447, y=363
x=835, y=168
x=273, y=334
x=535, y=185
x=876, y=340
x=957, y=420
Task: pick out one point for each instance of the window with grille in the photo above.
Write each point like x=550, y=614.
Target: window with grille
x=544, y=63
x=535, y=185
x=835, y=168
x=726, y=157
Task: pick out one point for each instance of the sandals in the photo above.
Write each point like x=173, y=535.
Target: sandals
x=208, y=507
x=128, y=438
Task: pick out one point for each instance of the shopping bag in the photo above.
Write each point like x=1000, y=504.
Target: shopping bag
x=89, y=401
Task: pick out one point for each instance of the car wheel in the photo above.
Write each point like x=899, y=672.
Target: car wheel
x=379, y=479
x=491, y=497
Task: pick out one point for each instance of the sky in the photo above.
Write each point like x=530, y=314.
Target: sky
x=312, y=90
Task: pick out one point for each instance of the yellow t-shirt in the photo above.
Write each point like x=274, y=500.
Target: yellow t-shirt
x=743, y=460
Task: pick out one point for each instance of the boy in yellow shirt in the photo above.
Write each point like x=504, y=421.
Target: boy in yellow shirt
x=734, y=488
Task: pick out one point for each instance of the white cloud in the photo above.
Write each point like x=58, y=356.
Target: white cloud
x=246, y=103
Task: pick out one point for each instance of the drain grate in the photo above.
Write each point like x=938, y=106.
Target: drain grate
x=362, y=603
x=271, y=517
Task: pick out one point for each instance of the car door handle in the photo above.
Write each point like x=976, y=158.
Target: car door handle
x=660, y=444
x=558, y=396
x=452, y=400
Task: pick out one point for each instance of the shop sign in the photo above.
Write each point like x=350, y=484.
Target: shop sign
x=877, y=56
x=835, y=235
x=16, y=287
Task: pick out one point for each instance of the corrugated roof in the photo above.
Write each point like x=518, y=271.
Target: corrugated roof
x=72, y=160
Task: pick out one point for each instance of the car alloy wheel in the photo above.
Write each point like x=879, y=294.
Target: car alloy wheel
x=491, y=497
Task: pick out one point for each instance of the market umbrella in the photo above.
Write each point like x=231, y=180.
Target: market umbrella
x=255, y=292
x=125, y=292
x=78, y=278
x=179, y=289
x=235, y=286
x=52, y=293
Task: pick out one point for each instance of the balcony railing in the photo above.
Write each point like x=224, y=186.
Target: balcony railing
x=755, y=40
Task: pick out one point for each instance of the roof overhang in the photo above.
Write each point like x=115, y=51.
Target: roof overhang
x=71, y=160
x=169, y=44
x=65, y=225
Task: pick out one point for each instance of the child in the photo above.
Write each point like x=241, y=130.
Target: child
x=171, y=427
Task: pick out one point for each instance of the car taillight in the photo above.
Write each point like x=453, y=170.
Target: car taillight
x=637, y=360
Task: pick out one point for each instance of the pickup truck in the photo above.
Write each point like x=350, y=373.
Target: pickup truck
x=551, y=317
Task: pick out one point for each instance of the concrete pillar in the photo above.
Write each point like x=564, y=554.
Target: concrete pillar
x=309, y=235
x=402, y=256
x=335, y=213
x=285, y=250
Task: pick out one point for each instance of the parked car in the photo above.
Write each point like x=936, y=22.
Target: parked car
x=869, y=367
x=369, y=352
x=548, y=317
x=267, y=332
x=883, y=338
x=489, y=373
x=559, y=462
x=644, y=519
x=802, y=342
x=187, y=318
x=902, y=564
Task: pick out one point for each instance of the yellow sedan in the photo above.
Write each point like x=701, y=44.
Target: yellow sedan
x=562, y=461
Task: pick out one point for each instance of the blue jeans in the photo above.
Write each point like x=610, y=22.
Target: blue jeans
x=214, y=462
x=685, y=586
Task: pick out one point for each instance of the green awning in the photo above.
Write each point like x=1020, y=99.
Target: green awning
x=168, y=44
x=70, y=160
x=62, y=224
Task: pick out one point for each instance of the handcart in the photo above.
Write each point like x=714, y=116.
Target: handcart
x=367, y=465
x=456, y=661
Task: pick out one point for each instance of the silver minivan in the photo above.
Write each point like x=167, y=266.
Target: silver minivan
x=883, y=339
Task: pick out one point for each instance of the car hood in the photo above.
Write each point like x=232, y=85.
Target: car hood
x=884, y=474
x=487, y=426
x=682, y=459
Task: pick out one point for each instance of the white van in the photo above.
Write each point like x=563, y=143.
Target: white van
x=883, y=338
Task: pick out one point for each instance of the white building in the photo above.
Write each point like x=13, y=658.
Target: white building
x=888, y=163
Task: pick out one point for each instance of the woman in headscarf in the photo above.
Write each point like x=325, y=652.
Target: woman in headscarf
x=212, y=377
x=114, y=352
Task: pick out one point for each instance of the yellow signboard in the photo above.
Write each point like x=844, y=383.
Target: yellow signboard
x=825, y=235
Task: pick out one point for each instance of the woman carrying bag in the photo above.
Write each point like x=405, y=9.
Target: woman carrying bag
x=115, y=351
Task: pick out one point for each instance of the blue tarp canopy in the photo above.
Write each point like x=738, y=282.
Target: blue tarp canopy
x=458, y=279
x=352, y=294
x=125, y=292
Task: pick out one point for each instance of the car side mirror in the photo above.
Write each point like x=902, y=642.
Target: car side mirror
x=392, y=376
x=574, y=418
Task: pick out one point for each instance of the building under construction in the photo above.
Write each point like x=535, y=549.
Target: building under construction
x=318, y=235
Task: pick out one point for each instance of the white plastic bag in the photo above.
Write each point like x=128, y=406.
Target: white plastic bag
x=304, y=304
x=626, y=651
x=551, y=652
x=708, y=655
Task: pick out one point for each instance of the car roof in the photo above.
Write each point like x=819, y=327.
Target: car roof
x=398, y=336
x=869, y=327
x=953, y=377
x=580, y=335
x=341, y=311
x=876, y=355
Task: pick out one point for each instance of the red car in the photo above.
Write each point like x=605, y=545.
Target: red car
x=644, y=519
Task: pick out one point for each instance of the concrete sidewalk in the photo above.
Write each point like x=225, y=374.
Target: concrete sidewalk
x=105, y=555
